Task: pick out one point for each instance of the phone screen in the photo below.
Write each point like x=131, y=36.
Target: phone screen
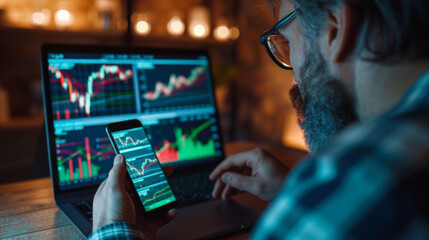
x=143, y=167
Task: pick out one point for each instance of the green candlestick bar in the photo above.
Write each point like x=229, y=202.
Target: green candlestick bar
x=64, y=173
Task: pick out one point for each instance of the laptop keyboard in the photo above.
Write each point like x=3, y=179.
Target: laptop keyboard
x=191, y=189
x=85, y=207
x=188, y=189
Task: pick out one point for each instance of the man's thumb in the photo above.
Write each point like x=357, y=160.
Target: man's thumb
x=118, y=159
x=118, y=171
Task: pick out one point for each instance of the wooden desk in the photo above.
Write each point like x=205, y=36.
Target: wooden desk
x=28, y=210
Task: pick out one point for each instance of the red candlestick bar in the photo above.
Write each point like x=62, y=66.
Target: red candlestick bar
x=88, y=156
x=67, y=113
x=71, y=169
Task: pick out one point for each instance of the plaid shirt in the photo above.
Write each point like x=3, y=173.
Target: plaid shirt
x=118, y=230
x=371, y=183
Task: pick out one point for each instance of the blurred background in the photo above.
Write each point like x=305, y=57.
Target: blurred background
x=252, y=92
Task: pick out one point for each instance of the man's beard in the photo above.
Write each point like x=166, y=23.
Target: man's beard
x=323, y=104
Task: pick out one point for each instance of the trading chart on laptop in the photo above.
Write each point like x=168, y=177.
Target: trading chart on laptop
x=171, y=96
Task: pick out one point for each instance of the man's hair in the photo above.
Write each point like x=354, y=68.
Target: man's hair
x=389, y=30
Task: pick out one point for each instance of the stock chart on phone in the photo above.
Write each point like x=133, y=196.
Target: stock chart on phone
x=171, y=95
x=143, y=168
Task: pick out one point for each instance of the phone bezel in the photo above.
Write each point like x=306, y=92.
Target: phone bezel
x=129, y=124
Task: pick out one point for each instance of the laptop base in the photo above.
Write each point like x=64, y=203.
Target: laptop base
x=209, y=220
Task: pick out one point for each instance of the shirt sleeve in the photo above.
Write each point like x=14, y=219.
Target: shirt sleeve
x=118, y=230
x=369, y=185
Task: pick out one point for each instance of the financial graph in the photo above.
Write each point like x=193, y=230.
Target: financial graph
x=83, y=90
x=184, y=141
x=176, y=84
x=82, y=156
x=130, y=139
x=140, y=158
x=143, y=168
x=157, y=195
x=170, y=86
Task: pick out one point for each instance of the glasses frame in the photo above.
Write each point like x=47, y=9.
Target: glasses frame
x=263, y=39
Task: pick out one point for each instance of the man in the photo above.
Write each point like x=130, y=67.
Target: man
x=362, y=97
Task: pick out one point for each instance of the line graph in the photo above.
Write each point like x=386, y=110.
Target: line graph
x=171, y=86
x=144, y=167
x=130, y=140
x=85, y=90
x=158, y=194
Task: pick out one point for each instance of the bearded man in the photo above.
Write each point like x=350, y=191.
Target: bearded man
x=362, y=97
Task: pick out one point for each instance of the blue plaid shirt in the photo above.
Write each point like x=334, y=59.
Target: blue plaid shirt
x=117, y=231
x=371, y=183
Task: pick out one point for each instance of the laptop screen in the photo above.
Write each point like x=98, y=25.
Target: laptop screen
x=170, y=93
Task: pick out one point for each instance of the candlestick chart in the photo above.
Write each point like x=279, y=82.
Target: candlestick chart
x=84, y=90
x=82, y=156
x=184, y=141
x=169, y=86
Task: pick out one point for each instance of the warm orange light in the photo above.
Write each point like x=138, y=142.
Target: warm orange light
x=63, y=18
x=37, y=18
x=199, y=30
x=143, y=27
x=41, y=18
x=199, y=22
x=234, y=33
x=175, y=26
x=16, y=15
x=63, y=15
x=222, y=32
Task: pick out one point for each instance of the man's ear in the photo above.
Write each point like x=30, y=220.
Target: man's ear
x=339, y=35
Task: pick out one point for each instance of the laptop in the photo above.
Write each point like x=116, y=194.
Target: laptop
x=171, y=92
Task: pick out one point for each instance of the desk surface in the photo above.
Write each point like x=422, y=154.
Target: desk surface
x=28, y=210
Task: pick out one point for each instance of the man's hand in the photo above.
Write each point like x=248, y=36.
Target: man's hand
x=113, y=202
x=254, y=171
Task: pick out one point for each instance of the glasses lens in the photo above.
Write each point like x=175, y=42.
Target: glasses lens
x=279, y=47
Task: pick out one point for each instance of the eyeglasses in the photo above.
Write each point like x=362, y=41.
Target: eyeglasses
x=276, y=45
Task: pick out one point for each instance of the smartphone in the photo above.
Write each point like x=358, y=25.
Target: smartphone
x=144, y=171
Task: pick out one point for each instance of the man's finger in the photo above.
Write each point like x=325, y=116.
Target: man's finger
x=117, y=173
x=228, y=192
x=241, y=182
x=244, y=159
x=218, y=188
